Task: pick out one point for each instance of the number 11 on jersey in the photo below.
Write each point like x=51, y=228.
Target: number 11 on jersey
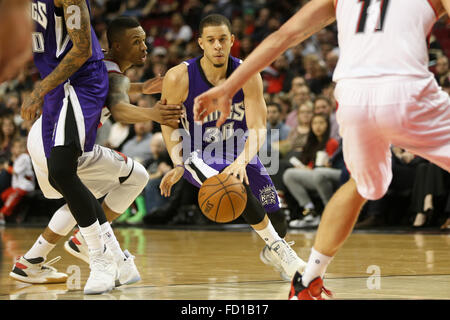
x=366, y=12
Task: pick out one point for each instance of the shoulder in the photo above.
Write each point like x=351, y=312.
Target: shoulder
x=176, y=82
x=177, y=73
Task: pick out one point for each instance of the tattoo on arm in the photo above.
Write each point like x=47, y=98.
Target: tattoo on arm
x=78, y=25
x=118, y=89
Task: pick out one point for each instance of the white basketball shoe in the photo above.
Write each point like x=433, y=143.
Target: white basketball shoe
x=77, y=246
x=283, y=259
x=103, y=273
x=128, y=272
x=37, y=271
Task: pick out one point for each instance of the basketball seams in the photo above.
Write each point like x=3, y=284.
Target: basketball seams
x=215, y=185
x=226, y=192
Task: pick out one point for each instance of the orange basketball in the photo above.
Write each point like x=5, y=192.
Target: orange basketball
x=222, y=198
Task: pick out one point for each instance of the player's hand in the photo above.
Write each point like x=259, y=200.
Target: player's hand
x=214, y=99
x=172, y=177
x=167, y=114
x=153, y=85
x=32, y=105
x=238, y=170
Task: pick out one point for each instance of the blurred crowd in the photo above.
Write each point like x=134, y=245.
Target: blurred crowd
x=301, y=129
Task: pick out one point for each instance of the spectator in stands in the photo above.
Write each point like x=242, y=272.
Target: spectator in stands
x=404, y=168
x=285, y=103
x=23, y=180
x=298, y=136
x=314, y=172
x=277, y=131
x=138, y=146
x=430, y=182
x=300, y=96
x=8, y=132
x=179, y=32
x=323, y=105
x=442, y=69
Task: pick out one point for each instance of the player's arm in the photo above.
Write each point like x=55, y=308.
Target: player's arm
x=78, y=25
x=312, y=17
x=151, y=86
x=118, y=102
x=175, y=90
x=256, y=117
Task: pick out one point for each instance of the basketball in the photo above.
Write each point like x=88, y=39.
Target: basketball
x=222, y=198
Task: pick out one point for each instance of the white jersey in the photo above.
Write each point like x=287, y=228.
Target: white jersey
x=383, y=38
x=23, y=175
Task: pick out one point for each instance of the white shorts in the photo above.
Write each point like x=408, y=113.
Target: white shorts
x=102, y=171
x=413, y=114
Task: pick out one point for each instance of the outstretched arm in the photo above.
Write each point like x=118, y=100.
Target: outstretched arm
x=118, y=102
x=78, y=24
x=312, y=17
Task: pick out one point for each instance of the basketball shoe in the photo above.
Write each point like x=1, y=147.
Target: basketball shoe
x=77, y=247
x=103, y=273
x=37, y=271
x=312, y=292
x=281, y=256
x=128, y=273
x=127, y=270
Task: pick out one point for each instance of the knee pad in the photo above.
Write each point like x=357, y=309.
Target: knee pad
x=278, y=220
x=120, y=198
x=254, y=211
x=62, y=165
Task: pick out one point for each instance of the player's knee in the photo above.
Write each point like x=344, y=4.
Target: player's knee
x=139, y=177
x=62, y=165
x=278, y=220
x=254, y=212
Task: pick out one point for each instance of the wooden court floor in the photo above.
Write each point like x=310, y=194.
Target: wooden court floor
x=219, y=265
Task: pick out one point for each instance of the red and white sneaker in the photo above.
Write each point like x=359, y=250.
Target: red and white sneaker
x=37, y=271
x=312, y=292
x=77, y=247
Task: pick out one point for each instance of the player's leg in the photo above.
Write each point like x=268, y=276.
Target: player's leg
x=280, y=253
x=425, y=130
x=72, y=135
x=368, y=158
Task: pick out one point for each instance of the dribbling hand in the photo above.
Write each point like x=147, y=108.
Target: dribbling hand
x=172, y=177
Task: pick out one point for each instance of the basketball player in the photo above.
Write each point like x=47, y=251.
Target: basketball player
x=233, y=153
x=106, y=173
x=386, y=94
x=71, y=94
x=15, y=37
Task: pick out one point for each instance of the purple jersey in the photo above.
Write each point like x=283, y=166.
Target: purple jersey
x=231, y=136
x=51, y=42
x=208, y=150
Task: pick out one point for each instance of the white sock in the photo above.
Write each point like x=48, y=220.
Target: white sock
x=93, y=237
x=111, y=241
x=316, y=267
x=309, y=205
x=268, y=234
x=41, y=248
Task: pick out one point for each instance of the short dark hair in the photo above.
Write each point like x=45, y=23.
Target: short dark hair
x=118, y=26
x=213, y=20
x=274, y=104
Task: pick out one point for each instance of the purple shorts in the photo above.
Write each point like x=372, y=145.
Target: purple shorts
x=71, y=111
x=199, y=169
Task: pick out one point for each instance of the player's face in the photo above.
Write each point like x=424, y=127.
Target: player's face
x=319, y=126
x=216, y=42
x=133, y=46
